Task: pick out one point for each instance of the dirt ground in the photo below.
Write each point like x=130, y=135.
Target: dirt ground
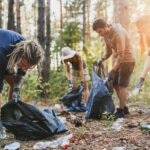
x=98, y=134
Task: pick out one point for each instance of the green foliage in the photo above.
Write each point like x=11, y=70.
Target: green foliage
x=5, y=93
x=52, y=90
x=70, y=35
x=95, y=48
x=30, y=86
x=75, y=9
x=58, y=84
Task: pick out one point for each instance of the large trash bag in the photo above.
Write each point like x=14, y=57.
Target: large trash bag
x=27, y=122
x=100, y=99
x=102, y=73
x=72, y=100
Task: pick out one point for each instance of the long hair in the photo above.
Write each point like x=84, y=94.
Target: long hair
x=29, y=50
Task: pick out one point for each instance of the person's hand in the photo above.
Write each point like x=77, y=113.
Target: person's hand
x=99, y=62
x=69, y=84
x=111, y=75
x=16, y=94
x=82, y=83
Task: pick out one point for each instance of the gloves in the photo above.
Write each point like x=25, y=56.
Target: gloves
x=97, y=62
x=70, y=84
x=140, y=83
x=16, y=71
x=16, y=94
x=111, y=75
x=82, y=83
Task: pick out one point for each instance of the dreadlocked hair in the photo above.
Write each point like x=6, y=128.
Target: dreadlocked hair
x=29, y=50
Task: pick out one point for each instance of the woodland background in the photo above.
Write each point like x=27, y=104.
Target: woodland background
x=58, y=23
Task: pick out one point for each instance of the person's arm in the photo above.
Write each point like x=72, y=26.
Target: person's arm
x=80, y=60
x=68, y=72
x=108, y=51
x=146, y=68
x=120, y=46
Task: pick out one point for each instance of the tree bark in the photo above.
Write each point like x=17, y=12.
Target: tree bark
x=18, y=19
x=61, y=16
x=11, y=18
x=41, y=22
x=88, y=19
x=48, y=41
x=84, y=24
x=41, y=36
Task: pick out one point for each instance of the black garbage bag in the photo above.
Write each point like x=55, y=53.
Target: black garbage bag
x=100, y=99
x=27, y=122
x=72, y=100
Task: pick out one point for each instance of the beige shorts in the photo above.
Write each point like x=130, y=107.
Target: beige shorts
x=76, y=75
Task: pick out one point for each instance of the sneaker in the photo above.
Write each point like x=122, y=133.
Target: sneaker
x=126, y=110
x=119, y=113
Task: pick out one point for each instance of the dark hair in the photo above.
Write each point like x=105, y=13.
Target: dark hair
x=99, y=23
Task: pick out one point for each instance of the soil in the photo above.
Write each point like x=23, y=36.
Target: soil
x=98, y=134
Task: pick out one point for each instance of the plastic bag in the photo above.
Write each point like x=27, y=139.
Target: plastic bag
x=72, y=100
x=100, y=99
x=28, y=122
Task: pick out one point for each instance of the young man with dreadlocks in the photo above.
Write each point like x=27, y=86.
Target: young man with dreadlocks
x=17, y=55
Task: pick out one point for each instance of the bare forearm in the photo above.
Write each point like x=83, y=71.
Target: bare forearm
x=81, y=68
x=68, y=75
x=146, y=68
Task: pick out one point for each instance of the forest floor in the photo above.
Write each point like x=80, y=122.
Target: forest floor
x=98, y=134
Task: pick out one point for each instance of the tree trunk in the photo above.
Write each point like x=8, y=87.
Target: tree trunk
x=11, y=18
x=35, y=16
x=121, y=12
x=106, y=17
x=44, y=68
x=48, y=41
x=84, y=24
x=18, y=19
x=61, y=16
x=41, y=22
x=1, y=9
x=88, y=19
x=41, y=37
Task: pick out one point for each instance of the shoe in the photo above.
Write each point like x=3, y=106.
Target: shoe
x=126, y=110
x=119, y=113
